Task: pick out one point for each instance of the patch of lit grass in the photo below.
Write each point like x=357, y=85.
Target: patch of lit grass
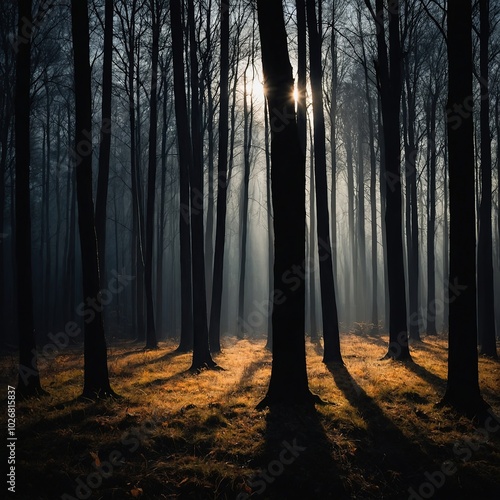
x=200, y=436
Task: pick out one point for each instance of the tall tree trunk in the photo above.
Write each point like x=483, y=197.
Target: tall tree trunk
x=161, y=222
x=389, y=74
x=485, y=283
x=201, y=350
x=312, y=251
x=222, y=182
x=462, y=391
x=328, y=301
x=96, y=380
x=270, y=239
x=333, y=141
x=361, y=284
x=288, y=382
x=209, y=231
x=29, y=378
x=185, y=162
x=105, y=139
x=411, y=152
x=431, y=217
x=151, y=342
x=247, y=144
x=373, y=186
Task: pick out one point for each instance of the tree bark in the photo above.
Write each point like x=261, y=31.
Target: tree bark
x=201, y=350
x=185, y=161
x=96, y=380
x=151, y=341
x=105, y=141
x=222, y=182
x=485, y=283
x=331, y=336
x=389, y=74
x=462, y=391
x=29, y=377
x=288, y=383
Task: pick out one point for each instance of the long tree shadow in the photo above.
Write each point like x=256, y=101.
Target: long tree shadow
x=391, y=456
x=431, y=378
x=296, y=461
x=164, y=357
x=244, y=384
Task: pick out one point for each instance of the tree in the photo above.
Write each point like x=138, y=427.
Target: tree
x=105, y=142
x=222, y=178
x=96, y=379
x=485, y=285
x=156, y=9
x=288, y=382
x=388, y=68
x=201, y=350
x=328, y=301
x=247, y=145
x=29, y=377
x=185, y=160
x=462, y=391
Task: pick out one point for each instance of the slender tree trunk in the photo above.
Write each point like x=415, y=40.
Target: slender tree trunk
x=462, y=391
x=333, y=142
x=96, y=380
x=161, y=223
x=270, y=239
x=446, y=234
x=431, y=218
x=361, y=285
x=247, y=144
x=29, y=378
x=328, y=301
x=209, y=232
x=185, y=161
x=389, y=74
x=312, y=251
x=288, y=382
x=222, y=182
x=105, y=140
x=485, y=283
x=201, y=350
x=411, y=151
x=151, y=341
x=373, y=187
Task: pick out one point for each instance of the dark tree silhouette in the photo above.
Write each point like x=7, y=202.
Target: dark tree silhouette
x=29, y=378
x=96, y=379
x=201, y=350
x=389, y=76
x=328, y=301
x=185, y=161
x=220, y=231
x=485, y=286
x=151, y=342
x=288, y=382
x=462, y=391
x=105, y=142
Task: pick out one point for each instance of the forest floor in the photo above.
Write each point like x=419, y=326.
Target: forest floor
x=178, y=435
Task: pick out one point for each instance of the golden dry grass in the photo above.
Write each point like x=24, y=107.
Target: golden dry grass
x=180, y=435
